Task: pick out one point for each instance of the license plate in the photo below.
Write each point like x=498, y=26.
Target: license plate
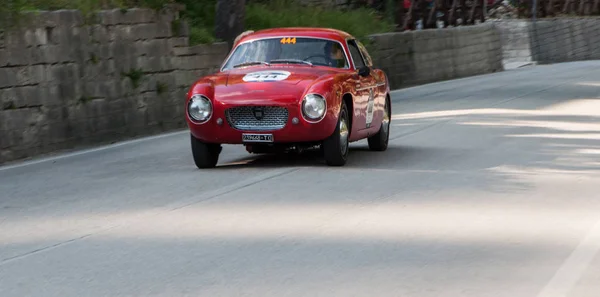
x=257, y=137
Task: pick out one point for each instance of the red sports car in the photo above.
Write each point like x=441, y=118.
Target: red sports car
x=290, y=88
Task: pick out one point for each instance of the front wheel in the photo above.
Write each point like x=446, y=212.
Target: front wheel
x=206, y=155
x=379, y=141
x=336, y=146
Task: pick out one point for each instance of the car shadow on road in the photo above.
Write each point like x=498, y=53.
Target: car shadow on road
x=395, y=157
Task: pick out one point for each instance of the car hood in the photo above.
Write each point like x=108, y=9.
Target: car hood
x=256, y=84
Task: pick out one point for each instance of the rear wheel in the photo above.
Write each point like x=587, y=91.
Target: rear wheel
x=206, y=155
x=379, y=141
x=336, y=146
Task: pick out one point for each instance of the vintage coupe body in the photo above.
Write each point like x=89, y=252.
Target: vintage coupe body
x=290, y=88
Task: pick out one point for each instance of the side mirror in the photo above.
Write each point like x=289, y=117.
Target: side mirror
x=364, y=71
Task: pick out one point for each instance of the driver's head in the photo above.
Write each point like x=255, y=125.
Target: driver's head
x=334, y=51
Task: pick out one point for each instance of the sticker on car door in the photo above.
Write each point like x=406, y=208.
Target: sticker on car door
x=370, y=110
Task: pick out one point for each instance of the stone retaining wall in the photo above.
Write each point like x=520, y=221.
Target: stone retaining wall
x=419, y=57
x=550, y=40
x=516, y=41
x=66, y=81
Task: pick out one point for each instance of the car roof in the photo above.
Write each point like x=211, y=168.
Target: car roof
x=327, y=33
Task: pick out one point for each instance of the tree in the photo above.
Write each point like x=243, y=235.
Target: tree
x=229, y=19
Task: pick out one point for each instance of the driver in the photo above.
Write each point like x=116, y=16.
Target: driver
x=335, y=55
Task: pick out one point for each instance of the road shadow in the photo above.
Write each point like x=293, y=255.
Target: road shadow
x=360, y=156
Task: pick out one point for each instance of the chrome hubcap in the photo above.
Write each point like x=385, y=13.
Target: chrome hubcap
x=386, y=120
x=343, y=136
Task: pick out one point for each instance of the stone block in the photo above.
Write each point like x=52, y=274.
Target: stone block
x=59, y=73
x=127, y=32
x=8, y=77
x=19, y=76
x=17, y=57
x=124, y=58
x=184, y=78
x=100, y=70
x=383, y=40
x=191, y=62
x=51, y=96
x=95, y=89
x=36, y=36
x=44, y=19
x=52, y=54
x=15, y=39
x=14, y=119
x=153, y=48
x=8, y=98
x=105, y=51
x=178, y=42
x=29, y=96
x=148, y=84
x=157, y=64
x=108, y=17
x=144, y=31
x=178, y=51
x=55, y=132
x=69, y=18
x=136, y=16
x=98, y=34
x=69, y=92
x=61, y=35
x=164, y=30
x=166, y=80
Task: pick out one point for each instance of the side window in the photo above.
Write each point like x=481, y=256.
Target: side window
x=365, y=54
x=355, y=52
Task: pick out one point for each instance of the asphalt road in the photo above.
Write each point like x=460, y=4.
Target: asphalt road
x=490, y=187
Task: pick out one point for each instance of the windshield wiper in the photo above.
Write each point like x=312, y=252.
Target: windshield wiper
x=291, y=61
x=250, y=63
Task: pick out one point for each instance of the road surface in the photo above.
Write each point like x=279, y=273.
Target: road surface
x=490, y=187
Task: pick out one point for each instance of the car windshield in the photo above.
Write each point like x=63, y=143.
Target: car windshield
x=289, y=50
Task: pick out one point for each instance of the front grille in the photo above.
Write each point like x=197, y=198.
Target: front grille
x=245, y=117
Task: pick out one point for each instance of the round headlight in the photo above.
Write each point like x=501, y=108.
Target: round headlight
x=199, y=108
x=314, y=106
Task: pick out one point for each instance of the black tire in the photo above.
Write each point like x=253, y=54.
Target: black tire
x=206, y=155
x=379, y=141
x=335, y=148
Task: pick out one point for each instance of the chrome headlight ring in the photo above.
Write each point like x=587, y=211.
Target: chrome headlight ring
x=199, y=109
x=314, y=107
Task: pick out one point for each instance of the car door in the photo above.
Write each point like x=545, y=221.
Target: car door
x=379, y=87
x=365, y=90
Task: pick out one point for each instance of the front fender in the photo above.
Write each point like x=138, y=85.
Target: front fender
x=330, y=88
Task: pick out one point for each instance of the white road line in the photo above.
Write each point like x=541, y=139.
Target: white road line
x=573, y=268
x=88, y=151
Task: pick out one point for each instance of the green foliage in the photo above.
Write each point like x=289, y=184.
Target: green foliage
x=94, y=59
x=286, y=13
x=161, y=88
x=135, y=75
x=9, y=105
x=201, y=35
x=84, y=99
x=200, y=14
